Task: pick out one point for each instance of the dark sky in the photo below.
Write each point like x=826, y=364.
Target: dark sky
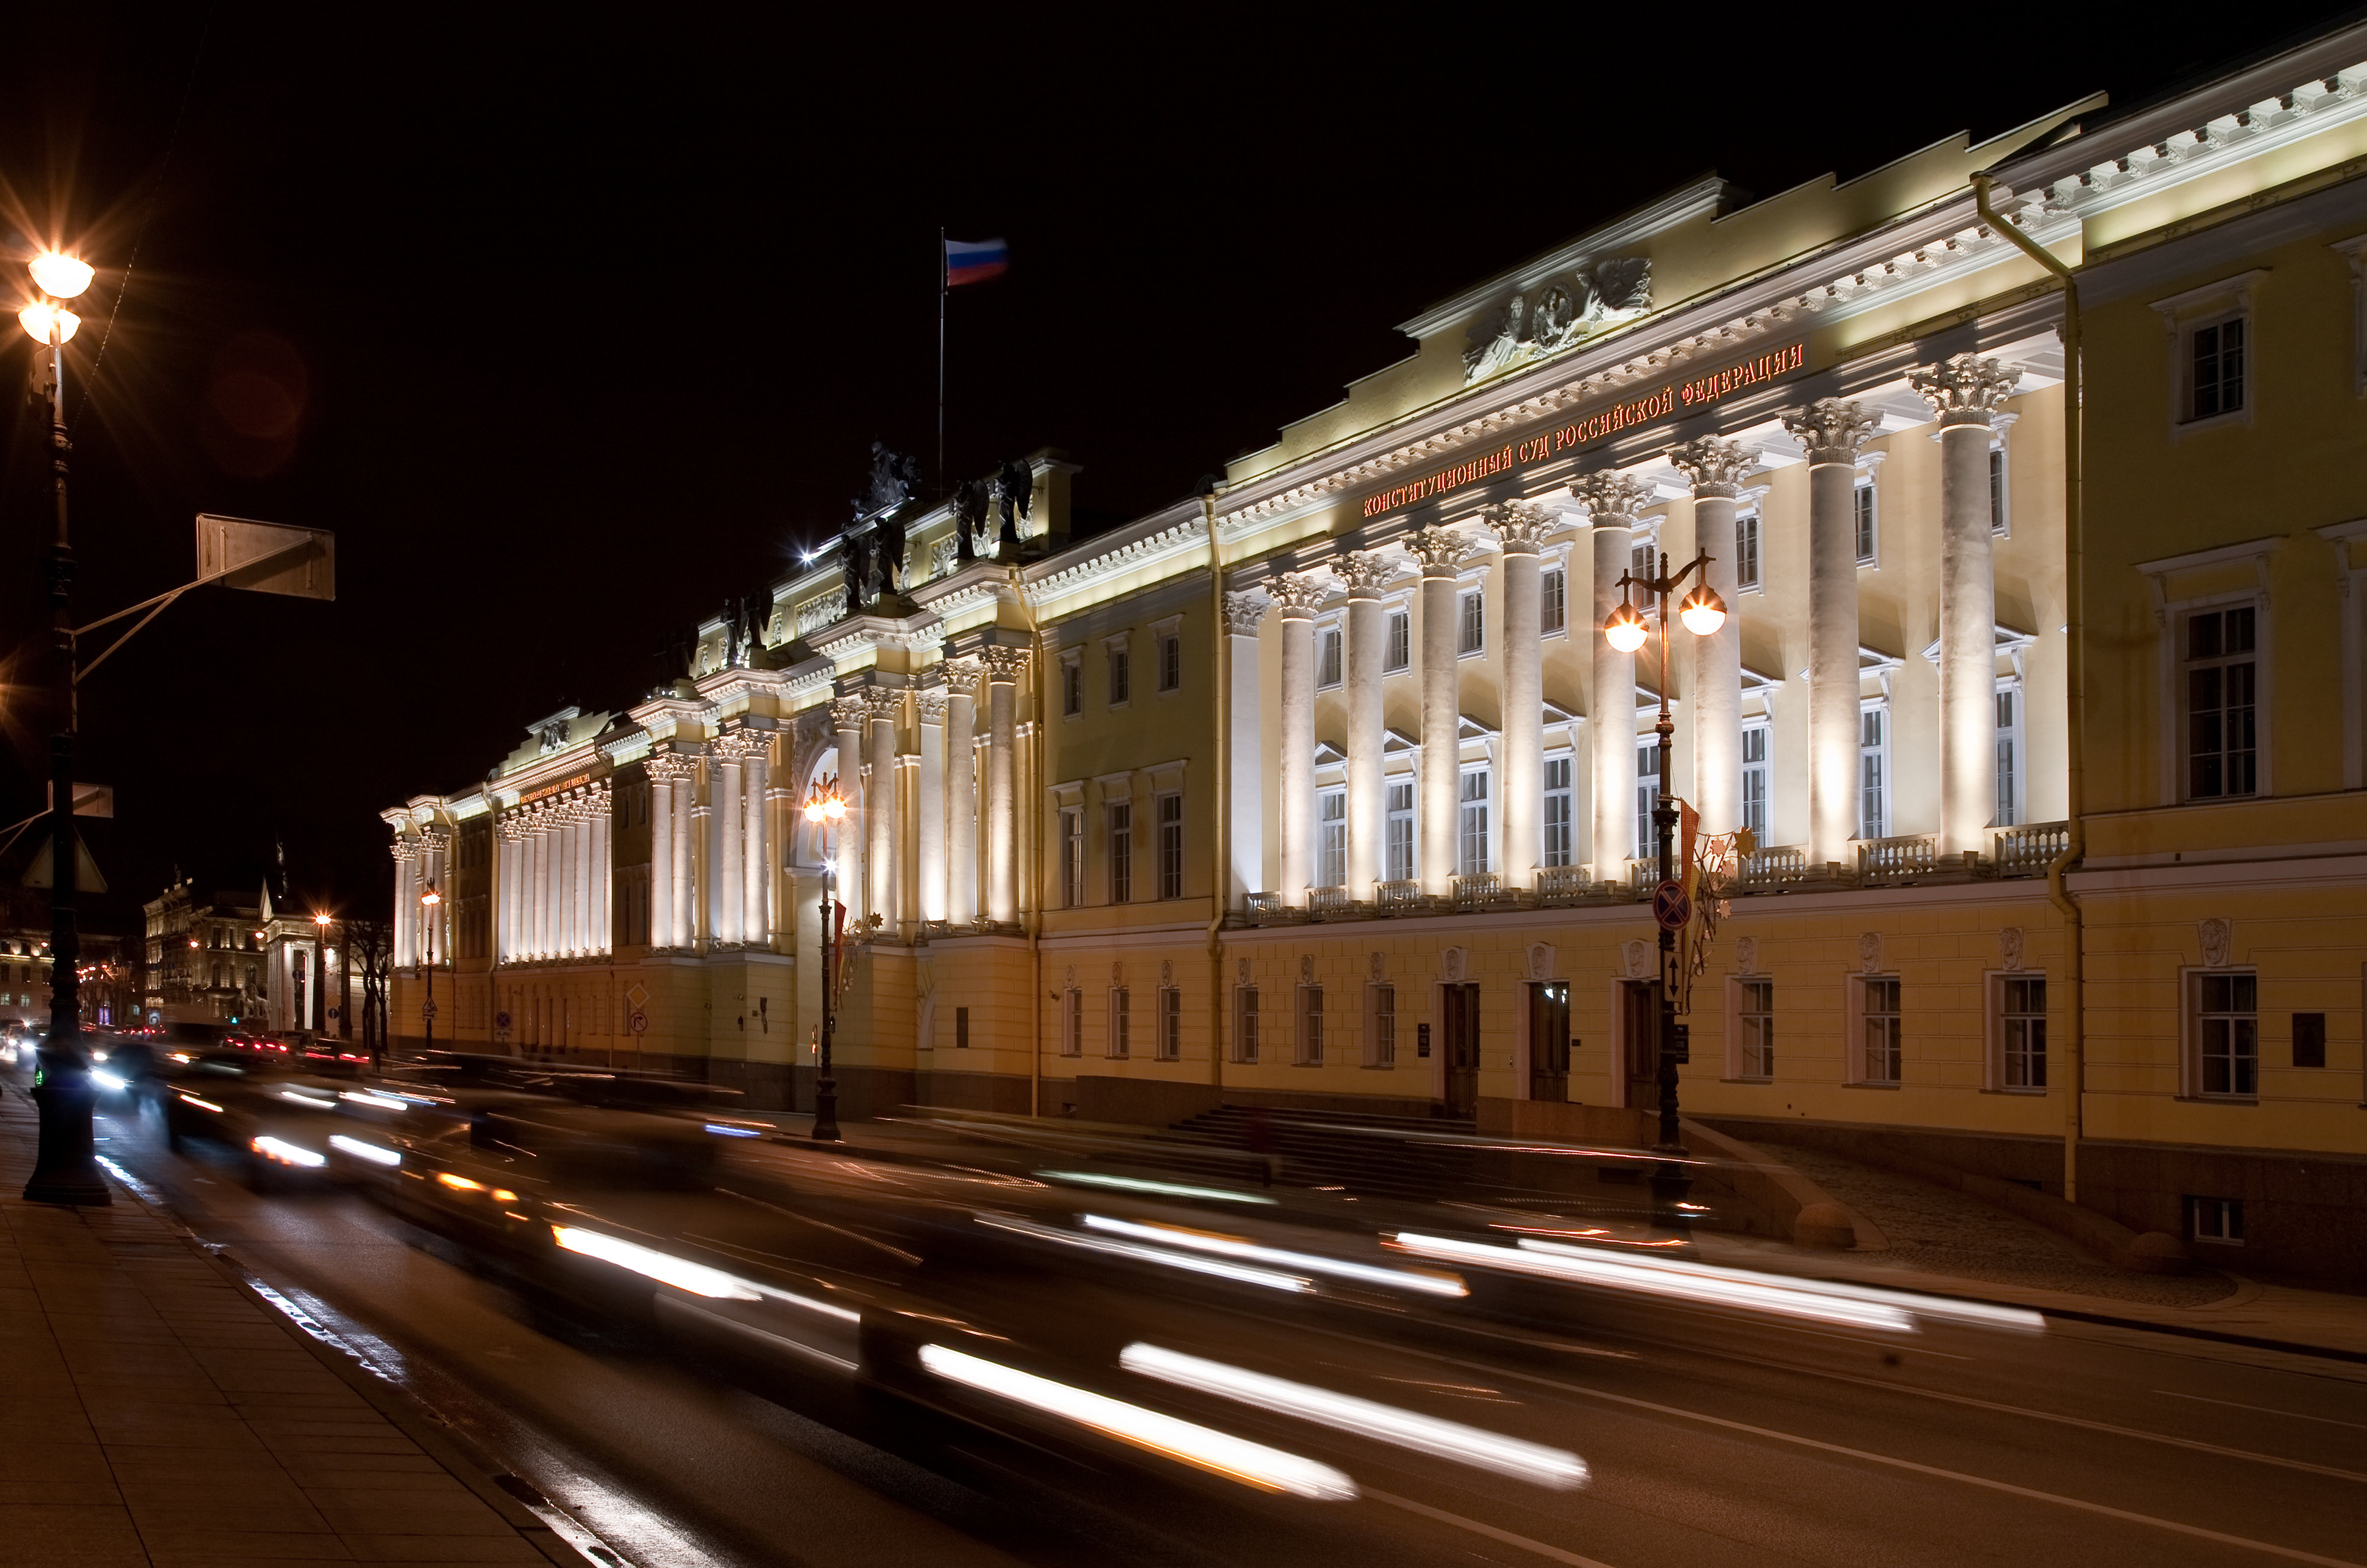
x=570, y=322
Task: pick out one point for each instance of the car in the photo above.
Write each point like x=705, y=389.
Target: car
x=277, y=1119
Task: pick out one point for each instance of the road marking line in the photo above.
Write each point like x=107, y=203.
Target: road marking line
x=1490, y=1531
x=2245, y=1542
x=2195, y=1444
x=2265, y=1410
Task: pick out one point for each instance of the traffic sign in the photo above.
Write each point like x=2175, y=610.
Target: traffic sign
x=639, y=1023
x=1671, y=906
x=427, y=1010
x=502, y=1019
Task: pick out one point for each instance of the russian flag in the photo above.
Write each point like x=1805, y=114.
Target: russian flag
x=975, y=261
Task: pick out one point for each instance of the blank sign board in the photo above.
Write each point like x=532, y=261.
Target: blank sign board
x=268, y=558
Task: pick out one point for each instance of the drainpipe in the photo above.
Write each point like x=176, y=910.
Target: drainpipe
x=2076, y=681
x=1221, y=861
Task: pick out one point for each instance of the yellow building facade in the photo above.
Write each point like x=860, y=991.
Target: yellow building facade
x=1323, y=789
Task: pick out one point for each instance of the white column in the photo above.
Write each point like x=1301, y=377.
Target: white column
x=724, y=900
x=1244, y=747
x=1369, y=633
x=697, y=851
x=505, y=906
x=562, y=880
x=756, y=912
x=1297, y=596
x=684, y=931
x=604, y=901
x=1715, y=469
x=536, y=888
x=1439, y=550
x=849, y=715
x=1614, y=500
x=1004, y=667
x=661, y=771
x=883, y=866
x=961, y=791
x=1520, y=784
x=929, y=831
x=1966, y=392
x=1832, y=431
x=406, y=904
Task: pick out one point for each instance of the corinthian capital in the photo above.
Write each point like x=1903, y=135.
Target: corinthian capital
x=1614, y=499
x=1244, y=611
x=1831, y=429
x=1440, y=550
x=962, y=675
x=666, y=767
x=887, y=703
x=1965, y=390
x=1296, y=594
x=1715, y=466
x=847, y=713
x=1004, y=665
x=1521, y=525
x=932, y=703
x=1363, y=572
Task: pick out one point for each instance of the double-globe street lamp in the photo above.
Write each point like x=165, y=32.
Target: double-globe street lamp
x=65, y=1169
x=826, y=808
x=321, y=976
x=1702, y=612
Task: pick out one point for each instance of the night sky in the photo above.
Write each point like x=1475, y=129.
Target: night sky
x=571, y=324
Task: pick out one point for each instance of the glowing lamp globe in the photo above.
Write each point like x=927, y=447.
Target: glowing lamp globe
x=833, y=808
x=1703, y=612
x=40, y=318
x=60, y=277
x=1624, y=630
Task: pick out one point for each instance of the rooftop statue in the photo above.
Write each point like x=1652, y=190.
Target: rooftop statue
x=1014, y=488
x=971, y=500
x=853, y=552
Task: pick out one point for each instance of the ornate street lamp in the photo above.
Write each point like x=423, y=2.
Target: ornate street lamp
x=429, y=899
x=320, y=975
x=65, y=1169
x=1702, y=612
x=826, y=808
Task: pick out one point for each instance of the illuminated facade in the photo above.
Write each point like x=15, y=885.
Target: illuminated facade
x=1355, y=812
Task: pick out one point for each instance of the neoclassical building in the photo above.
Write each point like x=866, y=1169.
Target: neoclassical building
x=1324, y=787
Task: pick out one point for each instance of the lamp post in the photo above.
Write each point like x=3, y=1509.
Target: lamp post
x=320, y=975
x=825, y=807
x=1704, y=612
x=428, y=900
x=65, y=1169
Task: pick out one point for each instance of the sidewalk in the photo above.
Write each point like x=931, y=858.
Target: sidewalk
x=156, y=1414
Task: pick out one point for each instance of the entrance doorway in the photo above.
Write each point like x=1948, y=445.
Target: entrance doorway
x=1458, y=1009
x=1639, y=1041
x=1550, y=1040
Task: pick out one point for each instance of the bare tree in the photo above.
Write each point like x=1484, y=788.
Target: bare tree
x=370, y=952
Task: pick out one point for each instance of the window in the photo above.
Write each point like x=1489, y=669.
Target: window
x=1475, y=822
x=1471, y=621
x=1245, y=1023
x=2228, y=1035
x=1171, y=846
x=1381, y=1038
x=2215, y=361
x=1401, y=833
x=2022, y=1025
x=1552, y=595
x=1755, y=1029
x=1864, y=515
x=1171, y=662
x=1121, y=1024
x=1874, y=770
x=1746, y=549
x=1119, y=675
x=2215, y=1218
x=1072, y=685
x=1121, y=852
x=1400, y=644
x=1171, y=1023
x=2222, y=755
x=961, y=1029
x=1878, y=1030
x=1754, y=780
x=1072, y=1022
x=1642, y=558
x=1999, y=517
x=1072, y=857
x=1310, y=1026
x=1559, y=805
x=1329, y=644
x=2009, y=754
x=1648, y=796
x=2309, y=1040
x=1332, y=838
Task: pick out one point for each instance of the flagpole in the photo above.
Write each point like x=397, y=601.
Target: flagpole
x=941, y=359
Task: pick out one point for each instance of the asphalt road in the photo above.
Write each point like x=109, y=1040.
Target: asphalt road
x=1714, y=1439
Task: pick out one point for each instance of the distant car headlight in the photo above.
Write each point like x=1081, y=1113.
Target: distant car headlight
x=115, y=1082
